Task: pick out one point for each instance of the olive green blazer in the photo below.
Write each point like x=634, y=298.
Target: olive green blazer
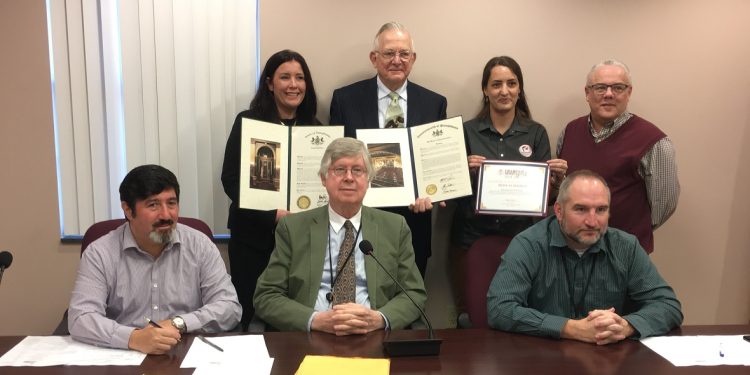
x=288, y=288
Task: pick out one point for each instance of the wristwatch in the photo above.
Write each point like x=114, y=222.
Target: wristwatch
x=179, y=323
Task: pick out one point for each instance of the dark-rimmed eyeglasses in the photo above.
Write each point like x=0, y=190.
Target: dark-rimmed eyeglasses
x=601, y=88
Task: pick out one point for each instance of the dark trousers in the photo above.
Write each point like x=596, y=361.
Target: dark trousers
x=421, y=234
x=246, y=263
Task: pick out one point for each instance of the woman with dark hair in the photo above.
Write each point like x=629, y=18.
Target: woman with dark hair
x=502, y=130
x=286, y=95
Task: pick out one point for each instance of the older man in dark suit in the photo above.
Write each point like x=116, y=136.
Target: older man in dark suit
x=390, y=100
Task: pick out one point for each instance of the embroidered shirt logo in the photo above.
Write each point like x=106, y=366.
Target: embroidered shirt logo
x=525, y=150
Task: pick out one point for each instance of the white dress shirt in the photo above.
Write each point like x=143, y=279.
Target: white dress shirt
x=384, y=101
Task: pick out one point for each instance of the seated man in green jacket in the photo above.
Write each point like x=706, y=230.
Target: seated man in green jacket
x=317, y=279
x=570, y=276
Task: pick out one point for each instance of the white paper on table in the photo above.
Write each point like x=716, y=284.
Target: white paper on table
x=40, y=351
x=239, y=350
x=238, y=366
x=701, y=350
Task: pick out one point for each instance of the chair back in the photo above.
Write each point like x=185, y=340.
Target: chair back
x=103, y=227
x=482, y=261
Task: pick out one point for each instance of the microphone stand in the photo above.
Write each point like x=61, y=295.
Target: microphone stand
x=410, y=347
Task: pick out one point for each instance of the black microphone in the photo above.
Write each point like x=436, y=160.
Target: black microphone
x=6, y=258
x=400, y=348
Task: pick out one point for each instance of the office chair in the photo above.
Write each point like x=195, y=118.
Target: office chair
x=482, y=261
x=103, y=227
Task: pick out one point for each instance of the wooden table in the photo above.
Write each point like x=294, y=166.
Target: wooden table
x=464, y=351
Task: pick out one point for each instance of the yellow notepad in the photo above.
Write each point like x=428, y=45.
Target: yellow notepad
x=326, y=365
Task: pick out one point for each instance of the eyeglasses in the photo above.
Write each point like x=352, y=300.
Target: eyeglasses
x=601, y=89
x=341, y=171
x=404, y=55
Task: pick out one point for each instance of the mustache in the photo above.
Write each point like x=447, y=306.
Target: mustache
x=161, y=223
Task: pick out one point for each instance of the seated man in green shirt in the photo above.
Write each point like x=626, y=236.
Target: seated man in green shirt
x=570, y=276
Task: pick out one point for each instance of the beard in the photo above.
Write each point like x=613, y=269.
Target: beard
x=576, y=236
x=584, y=241
x=162, y=236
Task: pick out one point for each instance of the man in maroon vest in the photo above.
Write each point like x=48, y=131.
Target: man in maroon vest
x=633, y=155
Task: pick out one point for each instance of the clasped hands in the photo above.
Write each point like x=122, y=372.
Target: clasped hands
x=153, y=340
x=348, y=319
x=600, y=326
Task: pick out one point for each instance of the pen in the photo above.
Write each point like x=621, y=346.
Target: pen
x=152, y=323
x=217, y=347
x=721, y=350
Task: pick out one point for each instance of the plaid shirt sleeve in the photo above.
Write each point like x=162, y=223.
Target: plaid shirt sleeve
x=659, y=171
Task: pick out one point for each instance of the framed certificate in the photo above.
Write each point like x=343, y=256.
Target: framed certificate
x=513, y=188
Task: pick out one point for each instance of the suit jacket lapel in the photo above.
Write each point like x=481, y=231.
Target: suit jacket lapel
x=318, y=246
x=371, y=234
x=369, y=105
x=412, y=106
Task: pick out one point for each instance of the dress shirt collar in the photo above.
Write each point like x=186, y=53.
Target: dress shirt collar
x=383, y=91
x=337, y=221
x=485, y=125
x=609, y=127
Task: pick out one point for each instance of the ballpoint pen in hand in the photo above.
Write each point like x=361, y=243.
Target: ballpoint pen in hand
x=217, y=347
x=152, y=323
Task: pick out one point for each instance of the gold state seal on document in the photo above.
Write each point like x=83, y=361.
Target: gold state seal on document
x=303, y=202
x=431, y=189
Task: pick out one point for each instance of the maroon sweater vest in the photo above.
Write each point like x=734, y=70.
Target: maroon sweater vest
x=617, y=159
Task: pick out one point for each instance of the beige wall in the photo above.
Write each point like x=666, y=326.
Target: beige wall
x=689, y=61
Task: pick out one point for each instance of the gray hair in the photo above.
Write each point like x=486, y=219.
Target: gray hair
x=609, y=62
x=562, y=195
x=391, y=26
x=342, y=148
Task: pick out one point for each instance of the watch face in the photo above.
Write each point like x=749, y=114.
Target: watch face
x=179, y=323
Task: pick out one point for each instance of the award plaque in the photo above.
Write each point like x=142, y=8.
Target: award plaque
x=513, y=188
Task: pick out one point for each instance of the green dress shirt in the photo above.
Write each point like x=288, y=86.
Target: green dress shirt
x=541, y=283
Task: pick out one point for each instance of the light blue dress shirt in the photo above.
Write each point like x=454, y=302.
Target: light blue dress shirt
x=335, y=238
